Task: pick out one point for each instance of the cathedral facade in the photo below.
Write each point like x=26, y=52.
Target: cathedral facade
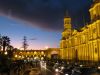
x=83, y=45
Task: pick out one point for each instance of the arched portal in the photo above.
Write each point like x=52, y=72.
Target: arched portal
x=54, y=55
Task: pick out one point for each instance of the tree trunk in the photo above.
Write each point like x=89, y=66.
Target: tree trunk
x=4, y=46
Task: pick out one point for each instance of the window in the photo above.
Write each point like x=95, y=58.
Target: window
x=96, y=50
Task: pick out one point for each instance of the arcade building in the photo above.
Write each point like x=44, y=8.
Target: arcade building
x=36, y=54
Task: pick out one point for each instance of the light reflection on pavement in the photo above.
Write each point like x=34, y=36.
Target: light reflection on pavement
x=35, y=71
x=45, y=70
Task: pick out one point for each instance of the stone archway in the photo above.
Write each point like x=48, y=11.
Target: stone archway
x=54, y=52
x=54, y=55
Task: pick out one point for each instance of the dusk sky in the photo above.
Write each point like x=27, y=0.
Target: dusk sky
x=40, y=19
x=16, y=30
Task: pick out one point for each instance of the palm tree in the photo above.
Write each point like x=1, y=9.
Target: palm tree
x=5, y=42
x=10, y=51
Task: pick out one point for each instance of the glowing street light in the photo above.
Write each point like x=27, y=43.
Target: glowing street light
x=16, y=56
x=57, y=70
x=6, y=53
x=19, y=56
x=35, y=58
x=99, y=67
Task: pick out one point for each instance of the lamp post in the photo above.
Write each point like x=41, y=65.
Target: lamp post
x=5, y=52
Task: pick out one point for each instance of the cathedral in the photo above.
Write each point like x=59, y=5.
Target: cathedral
x=82, y=46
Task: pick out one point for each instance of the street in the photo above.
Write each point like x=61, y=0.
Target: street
x=41, y=68
x=46, y=71
x=42, y=71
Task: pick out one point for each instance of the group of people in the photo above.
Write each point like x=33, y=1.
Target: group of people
x=28, y=68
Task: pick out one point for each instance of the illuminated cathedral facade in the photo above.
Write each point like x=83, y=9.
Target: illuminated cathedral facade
x=83, y=45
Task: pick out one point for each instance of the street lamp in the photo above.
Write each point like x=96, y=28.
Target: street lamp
x=16, y=56
x=5, y=53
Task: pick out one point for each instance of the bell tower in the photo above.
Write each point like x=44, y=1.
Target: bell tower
x=67, y=24
x=66, y=34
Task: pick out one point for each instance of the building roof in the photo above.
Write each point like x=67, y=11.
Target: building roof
x=94, y=2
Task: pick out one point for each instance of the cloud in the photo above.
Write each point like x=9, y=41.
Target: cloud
x=33, y=39
x=46, y=14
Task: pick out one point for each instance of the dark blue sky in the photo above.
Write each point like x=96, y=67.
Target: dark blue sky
x=42, y=19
